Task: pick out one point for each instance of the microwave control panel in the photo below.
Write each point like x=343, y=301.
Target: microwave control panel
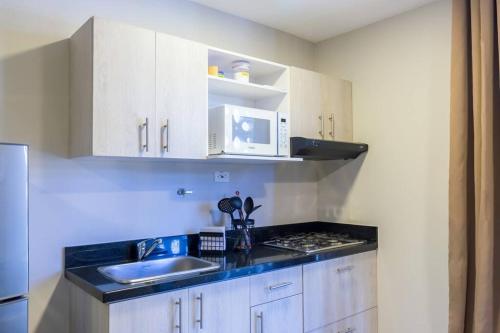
x=283, y=137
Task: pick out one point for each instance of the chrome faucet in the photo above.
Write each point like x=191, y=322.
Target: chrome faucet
x=143, y=251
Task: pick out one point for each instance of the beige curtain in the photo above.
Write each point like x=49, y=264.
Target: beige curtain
x=474, y=266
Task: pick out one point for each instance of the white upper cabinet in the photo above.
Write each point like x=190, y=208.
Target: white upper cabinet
x=305, y=104
x=181, y=97
x=112, y=90
x=137, y=93
x=336, y=99
x=320, y=106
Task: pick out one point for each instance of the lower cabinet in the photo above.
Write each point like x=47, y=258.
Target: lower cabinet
x=365, y=322
x=220, y=307
x=281, y=316
x=339, y=288
x=333, y=296
x=162, y=313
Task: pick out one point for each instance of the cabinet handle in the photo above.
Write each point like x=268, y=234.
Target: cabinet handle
x=260, y=316
x=322, y=127
x=345, y=269
x=332, y=124
x=279, y=285
x=165, y=140
x=179, y=303
x=347, y=330
x=145, y=125
x=200, y=298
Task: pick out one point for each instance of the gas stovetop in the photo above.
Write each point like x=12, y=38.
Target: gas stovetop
x=312, y=242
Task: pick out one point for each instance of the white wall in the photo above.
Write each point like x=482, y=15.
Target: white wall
x=76, y=202
x=400, y=70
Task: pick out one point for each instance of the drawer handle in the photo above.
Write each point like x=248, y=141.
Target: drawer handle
x=179, y=303
x=261, y=317
x=200, y=321
x=345, y=269
x=347, y=330
x=145, y=126
x=321, y=131
x=332, y=128
x=165, y=140
x=279, y=286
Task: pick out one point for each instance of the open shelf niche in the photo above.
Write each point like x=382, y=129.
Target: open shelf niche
x=268, y=87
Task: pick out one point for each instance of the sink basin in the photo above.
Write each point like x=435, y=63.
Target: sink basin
x=153, y=270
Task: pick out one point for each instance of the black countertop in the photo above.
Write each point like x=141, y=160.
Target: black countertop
x=82, y=261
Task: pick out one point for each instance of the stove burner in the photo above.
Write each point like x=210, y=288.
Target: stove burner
x=313, y=241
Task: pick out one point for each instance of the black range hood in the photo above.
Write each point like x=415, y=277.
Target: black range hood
x=317, y=150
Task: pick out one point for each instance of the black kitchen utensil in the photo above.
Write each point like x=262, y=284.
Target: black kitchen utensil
x=253, y=210
x=225, y=206
x=236, y=203
x=248, y=207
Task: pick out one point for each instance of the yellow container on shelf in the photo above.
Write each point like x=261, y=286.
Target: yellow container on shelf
x=241, y=70
x=213, y=70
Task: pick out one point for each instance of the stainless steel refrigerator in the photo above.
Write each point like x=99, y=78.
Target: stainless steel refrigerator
x=13, y=238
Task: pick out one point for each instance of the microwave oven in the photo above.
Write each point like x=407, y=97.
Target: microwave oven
x=239, y=130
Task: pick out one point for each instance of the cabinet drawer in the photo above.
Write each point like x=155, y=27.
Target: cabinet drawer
x=284, y=315
x=274, y=285
x=365, y=322
x=341, y=288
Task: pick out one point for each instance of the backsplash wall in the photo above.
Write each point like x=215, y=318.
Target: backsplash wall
x=81, y=201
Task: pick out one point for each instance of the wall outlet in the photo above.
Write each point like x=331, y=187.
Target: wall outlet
x=221, y=176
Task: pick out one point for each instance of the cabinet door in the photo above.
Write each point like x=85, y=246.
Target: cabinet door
x=306, y=104
x=220, y=307
x=281, y=316
x=365, y=322
x=320, y=106
x=336, y=106
x=181, y=98
x=123, y=90
x=340, y=288
x=161, y=313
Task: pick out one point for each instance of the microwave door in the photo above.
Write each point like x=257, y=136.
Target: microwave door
x=252, y=133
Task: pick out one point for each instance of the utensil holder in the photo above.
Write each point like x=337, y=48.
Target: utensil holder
x=244, y=238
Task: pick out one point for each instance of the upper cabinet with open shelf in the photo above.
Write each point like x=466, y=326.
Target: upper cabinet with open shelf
x=153, y=100
x=267, y=88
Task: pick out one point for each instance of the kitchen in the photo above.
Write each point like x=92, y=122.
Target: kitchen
x=399, y=68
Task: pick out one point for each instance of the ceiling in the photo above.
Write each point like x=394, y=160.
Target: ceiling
x=314, y=20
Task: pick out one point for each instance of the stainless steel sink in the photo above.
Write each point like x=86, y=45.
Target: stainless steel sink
x=159, y=269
